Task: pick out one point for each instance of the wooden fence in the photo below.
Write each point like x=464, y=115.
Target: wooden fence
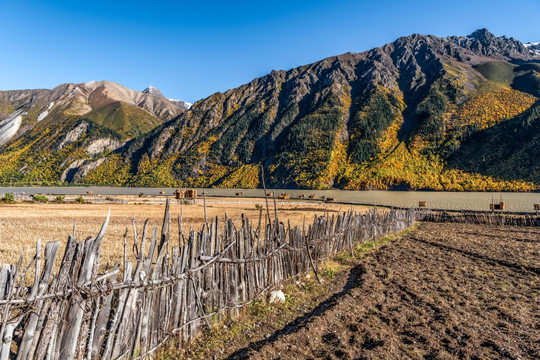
x=179, y=286
x=486, y=218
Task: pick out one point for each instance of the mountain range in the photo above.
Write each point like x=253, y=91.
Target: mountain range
x=424, y=112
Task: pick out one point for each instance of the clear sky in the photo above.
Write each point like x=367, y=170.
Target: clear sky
x=191, y=49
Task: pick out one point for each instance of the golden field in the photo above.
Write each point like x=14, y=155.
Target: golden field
x=22, y=224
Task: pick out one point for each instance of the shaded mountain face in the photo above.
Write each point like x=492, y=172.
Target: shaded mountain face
x=399, y=116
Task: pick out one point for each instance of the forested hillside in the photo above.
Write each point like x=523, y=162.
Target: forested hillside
x=456, y=113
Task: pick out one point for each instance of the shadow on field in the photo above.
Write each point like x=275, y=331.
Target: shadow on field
x=354, y=280
x=471, y=233
x=510, y=265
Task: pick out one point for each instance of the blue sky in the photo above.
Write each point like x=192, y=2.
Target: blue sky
x=190, y=50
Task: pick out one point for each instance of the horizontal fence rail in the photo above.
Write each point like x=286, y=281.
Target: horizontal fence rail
x=484, y=218
x=88, y=311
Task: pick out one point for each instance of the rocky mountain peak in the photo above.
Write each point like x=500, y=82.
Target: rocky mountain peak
x=182, y=104
x=153, y=91
x=484, y=43
x=482, y=35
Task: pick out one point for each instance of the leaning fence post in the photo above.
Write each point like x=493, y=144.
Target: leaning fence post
x=311, y=262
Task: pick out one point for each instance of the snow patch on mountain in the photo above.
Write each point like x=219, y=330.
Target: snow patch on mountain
x=534, y=47
x=45, y=113
x=10, y=125
x=182, y=103
x=42, y=115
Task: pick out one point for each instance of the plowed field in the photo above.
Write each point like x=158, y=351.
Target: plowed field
x=444, y=291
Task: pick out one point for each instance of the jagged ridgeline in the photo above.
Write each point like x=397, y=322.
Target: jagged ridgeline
x=456, y=113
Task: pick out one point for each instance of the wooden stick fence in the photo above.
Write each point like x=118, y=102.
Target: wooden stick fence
x=178, y=288
x=485, y=218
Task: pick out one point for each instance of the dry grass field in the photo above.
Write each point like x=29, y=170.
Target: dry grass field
x=22, y=224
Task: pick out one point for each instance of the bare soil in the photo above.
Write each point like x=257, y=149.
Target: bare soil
x=444, y=291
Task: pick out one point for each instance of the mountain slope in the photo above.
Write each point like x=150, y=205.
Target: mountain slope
x=128, y=121
x=397, y=117
x=44, y=133
x=510, y=150
x=386, y=118
x=138, y=109
x=53, y=152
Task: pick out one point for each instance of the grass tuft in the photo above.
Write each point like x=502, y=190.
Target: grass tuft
x=8, y=198
x=40, y=198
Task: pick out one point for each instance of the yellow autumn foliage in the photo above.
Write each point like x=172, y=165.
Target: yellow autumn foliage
x=490, y=108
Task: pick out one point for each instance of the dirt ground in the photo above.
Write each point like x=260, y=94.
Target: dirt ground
x=22, y=224
x=444, y=291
